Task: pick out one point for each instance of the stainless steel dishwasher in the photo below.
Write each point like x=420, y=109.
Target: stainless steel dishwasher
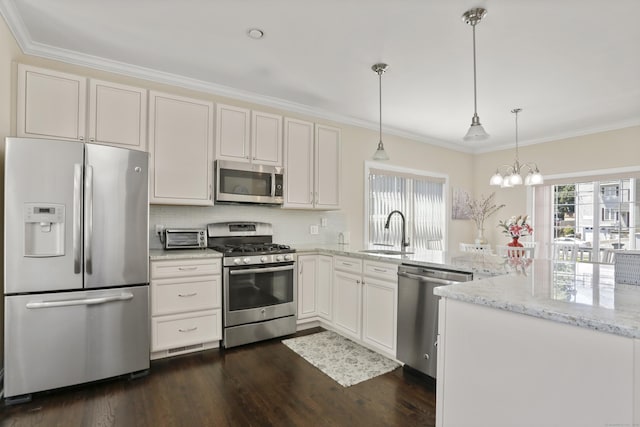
x=418, y=314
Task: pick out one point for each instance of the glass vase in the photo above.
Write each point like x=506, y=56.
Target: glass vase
x=480, y=240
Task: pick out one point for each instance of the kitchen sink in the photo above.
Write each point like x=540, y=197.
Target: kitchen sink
x=385, y=252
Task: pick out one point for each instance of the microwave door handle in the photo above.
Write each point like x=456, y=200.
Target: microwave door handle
x=273, y=184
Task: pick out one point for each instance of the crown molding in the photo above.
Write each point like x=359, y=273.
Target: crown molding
x=560, y=136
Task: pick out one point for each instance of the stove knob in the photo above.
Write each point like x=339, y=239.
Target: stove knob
x=288, y=257
x=263, y=259
x=278, y=257
x=237, y=261
x=246, y=260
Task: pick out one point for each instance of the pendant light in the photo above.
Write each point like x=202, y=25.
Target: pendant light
x=476, y=132
x=512, y=175
x=380, y=154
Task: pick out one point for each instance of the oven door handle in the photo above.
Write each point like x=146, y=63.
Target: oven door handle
x=261, y=270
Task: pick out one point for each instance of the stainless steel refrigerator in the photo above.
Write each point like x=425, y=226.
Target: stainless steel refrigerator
x=76, y=264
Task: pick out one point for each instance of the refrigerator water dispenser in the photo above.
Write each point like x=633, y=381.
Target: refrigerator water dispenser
x=43, y=230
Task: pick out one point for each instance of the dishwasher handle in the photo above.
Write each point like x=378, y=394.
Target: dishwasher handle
x=427, y=279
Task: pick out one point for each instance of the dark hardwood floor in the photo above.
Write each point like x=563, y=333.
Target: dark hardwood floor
x=262, y=384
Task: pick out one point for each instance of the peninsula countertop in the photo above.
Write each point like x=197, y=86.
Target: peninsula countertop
x=580, y=294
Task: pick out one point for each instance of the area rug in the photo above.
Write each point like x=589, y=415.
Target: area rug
x=343, y=360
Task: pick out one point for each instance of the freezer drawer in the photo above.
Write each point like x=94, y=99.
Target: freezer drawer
x=61, y=339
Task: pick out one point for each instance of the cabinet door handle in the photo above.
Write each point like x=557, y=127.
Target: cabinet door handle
x=192, y=294
x=188, y=329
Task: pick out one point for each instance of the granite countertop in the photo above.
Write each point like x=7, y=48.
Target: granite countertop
x=479, y=264
x=580, y=294
x=162, y=254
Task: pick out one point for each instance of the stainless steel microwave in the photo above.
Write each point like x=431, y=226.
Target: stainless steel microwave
x=246, y=183
x=185, y=238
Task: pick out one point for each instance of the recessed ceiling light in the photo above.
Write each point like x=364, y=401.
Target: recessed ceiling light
x=255, y=33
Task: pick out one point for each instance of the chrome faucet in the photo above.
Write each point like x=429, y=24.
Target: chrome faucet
x=405, y=242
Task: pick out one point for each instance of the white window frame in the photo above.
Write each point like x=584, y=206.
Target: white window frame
x=368, y=165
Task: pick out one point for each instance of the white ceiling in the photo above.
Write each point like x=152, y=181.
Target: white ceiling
x=573, y=66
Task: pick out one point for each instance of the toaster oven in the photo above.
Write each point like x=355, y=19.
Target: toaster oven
x=185, y=238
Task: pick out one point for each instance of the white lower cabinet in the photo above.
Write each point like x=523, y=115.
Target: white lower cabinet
x=365, y=297
x=186, y=305
x=314, y=287
x=324, y=290
x=379, y=305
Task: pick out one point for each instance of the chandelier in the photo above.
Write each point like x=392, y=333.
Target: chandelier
x=512, y=175
x=380, y=154
x=476, y=132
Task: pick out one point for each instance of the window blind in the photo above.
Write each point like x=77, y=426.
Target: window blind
x=419, y=198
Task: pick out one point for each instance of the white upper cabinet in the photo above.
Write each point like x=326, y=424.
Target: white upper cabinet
x=181, y=146
x=327, y=168
x=117, y=115
x=54, y=105
x=299, y=160
x=51, y=104
x=312, y=165
x=248, y=136
x=266, y=138
x=233, y=133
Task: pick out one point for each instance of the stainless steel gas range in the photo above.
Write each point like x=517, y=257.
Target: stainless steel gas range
x=259, y=282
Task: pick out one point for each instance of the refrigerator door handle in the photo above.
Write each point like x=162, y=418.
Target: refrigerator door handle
x=88, y=218
x=77, y=212
x=125, y=296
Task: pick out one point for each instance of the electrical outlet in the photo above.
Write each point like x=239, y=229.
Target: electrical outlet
x=313, y=229
x=159, y=229
x=323, y=222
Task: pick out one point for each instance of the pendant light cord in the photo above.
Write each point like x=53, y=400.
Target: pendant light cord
x=380, y=99
x=475, y=93
x=516, y=111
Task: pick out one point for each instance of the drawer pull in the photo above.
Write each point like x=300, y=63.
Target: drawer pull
x=347, y=264
x=380, y=270
x=187, y=268
x=192, y=294
x=188, y=329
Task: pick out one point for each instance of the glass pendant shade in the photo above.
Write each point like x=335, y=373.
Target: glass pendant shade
x=380, y=154
x=515, y=179
x=476, y=133
x=496, y=179
x=536, y=178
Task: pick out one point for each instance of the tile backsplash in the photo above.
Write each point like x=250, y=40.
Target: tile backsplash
x=289, y=226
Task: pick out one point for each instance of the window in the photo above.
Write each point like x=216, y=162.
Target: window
x=420, y=198
x=597, y=216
